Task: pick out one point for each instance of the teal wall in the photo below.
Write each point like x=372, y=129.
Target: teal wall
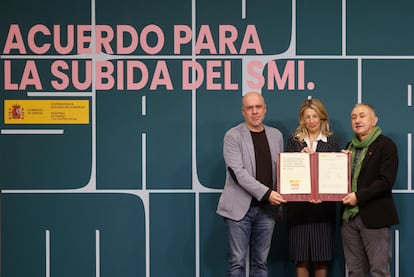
x=134, y=192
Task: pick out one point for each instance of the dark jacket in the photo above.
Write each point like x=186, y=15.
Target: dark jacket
x=375, y=182
x=305, y=212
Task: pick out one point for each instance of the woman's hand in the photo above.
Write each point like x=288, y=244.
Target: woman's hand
x=315, y=201
x=308, y=150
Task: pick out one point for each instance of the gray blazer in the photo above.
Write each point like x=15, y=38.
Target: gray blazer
x=241, y=184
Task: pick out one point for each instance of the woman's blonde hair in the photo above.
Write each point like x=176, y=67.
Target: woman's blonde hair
x=301, y=132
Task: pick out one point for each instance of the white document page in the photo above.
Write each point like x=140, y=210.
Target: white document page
x=295, y=175
x=333, y=173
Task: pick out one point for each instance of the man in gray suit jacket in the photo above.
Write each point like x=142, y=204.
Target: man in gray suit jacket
x=249, y=199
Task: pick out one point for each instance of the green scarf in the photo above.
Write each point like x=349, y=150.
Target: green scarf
x=352, y=211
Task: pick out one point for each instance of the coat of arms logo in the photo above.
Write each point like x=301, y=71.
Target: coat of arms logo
x=16, y=112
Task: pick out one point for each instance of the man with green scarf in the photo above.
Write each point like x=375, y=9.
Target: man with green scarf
x=369, y=210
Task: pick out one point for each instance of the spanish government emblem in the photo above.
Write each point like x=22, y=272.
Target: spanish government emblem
x=16, y=112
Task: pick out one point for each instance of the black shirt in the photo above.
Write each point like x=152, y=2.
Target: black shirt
x=263, y=162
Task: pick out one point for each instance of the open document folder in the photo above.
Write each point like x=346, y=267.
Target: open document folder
x=321, y=176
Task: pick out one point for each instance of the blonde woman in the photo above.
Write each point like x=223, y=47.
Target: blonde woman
x=311, y=225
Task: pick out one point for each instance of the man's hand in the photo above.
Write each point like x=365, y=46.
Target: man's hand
x=350, y=199
x=275, y=198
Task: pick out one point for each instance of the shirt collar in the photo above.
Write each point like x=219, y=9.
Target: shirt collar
x=321, y=137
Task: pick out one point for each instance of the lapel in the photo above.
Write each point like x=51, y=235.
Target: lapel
x=247, y=138
x=272, y=146
x=368, y=156
x=322, y=146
